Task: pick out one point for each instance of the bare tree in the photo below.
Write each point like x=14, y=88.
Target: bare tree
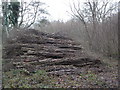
x=93, y=11
x=119, y=31
x=77, y=12
x=29, y=12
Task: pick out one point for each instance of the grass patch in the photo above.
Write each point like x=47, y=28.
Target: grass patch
x=91, y=76
x=19, y=79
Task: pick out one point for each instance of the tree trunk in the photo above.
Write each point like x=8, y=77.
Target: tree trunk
x=88, y=36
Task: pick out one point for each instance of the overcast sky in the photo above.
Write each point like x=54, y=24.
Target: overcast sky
x=58, y=8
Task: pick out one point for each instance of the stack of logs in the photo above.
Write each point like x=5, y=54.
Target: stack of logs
x=34, y=50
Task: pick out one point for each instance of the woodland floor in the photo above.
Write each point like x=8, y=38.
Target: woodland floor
x=40, y=60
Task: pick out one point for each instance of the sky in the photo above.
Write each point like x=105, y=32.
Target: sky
x=58, y=9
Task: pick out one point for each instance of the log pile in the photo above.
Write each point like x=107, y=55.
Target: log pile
x=34, y=50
